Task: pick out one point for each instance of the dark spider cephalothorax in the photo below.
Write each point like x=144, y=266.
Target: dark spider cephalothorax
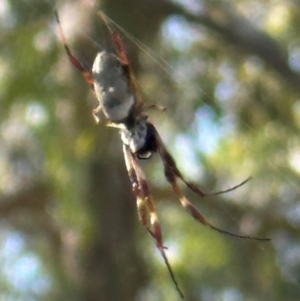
x=119, y=101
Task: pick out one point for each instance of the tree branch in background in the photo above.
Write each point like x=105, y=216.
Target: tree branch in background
x=28, y=210
x=223, y=19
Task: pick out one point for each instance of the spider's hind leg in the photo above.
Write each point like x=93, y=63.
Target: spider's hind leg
x=172, y=173
x=146, y=208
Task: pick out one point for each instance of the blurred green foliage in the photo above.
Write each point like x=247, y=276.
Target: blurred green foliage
x=228, y=73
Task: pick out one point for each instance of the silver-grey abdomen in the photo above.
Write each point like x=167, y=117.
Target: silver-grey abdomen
x=112, y=87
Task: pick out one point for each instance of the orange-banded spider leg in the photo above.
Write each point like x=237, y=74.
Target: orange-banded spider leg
x=123, y=56
x=117, y=39
x=172, y=173
x=171, y=167
x=146, y=207
x=118, y=42
x=87, y=74
x=121, y=51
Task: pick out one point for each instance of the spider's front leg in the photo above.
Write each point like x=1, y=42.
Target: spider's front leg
x=87, y=74
x=101, y=119
x=146, y=207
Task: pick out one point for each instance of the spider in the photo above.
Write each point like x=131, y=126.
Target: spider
x=119, y=100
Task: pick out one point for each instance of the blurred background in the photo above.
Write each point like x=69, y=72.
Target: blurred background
x=228, y=73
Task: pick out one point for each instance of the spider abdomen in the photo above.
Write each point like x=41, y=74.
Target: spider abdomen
x=112, y=87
